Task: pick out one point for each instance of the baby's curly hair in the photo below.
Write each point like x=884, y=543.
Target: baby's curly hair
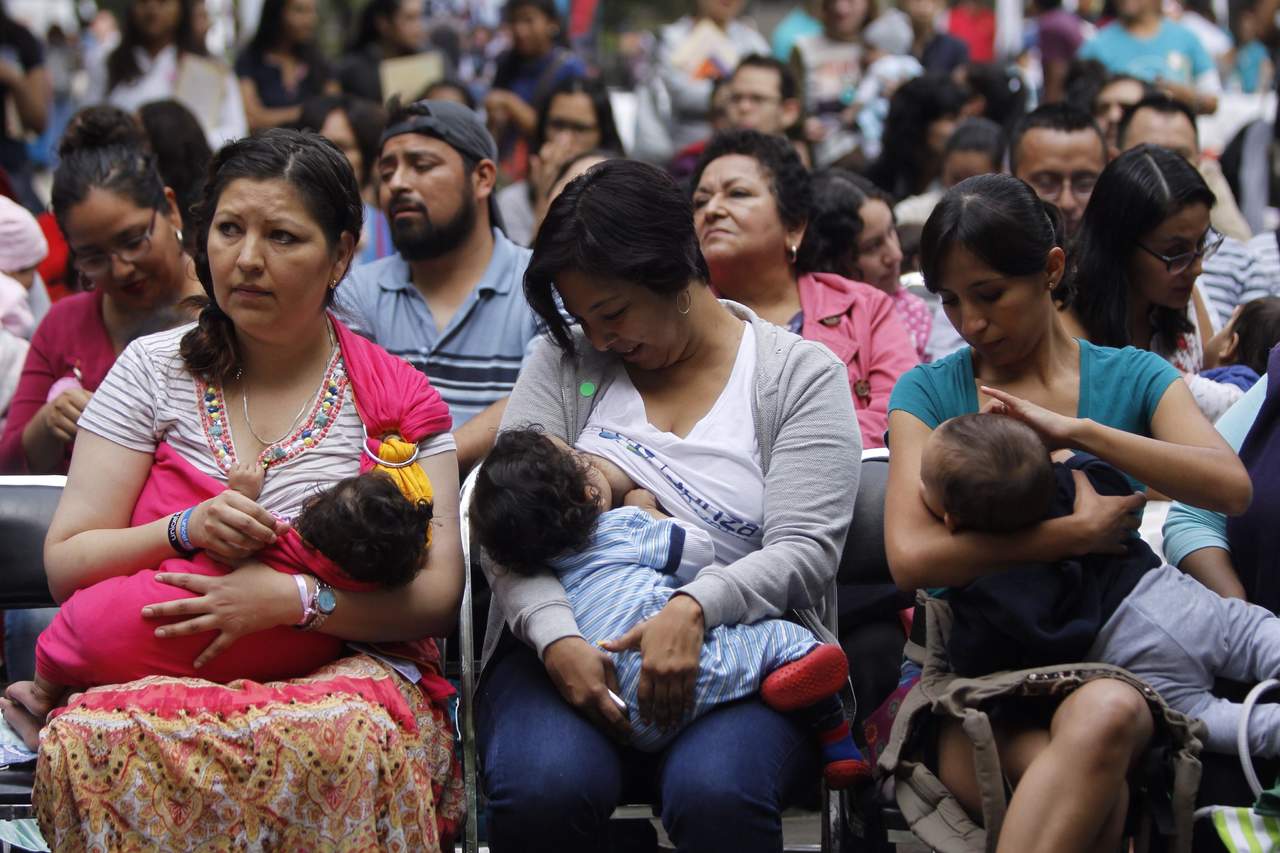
x=369, y=528
x=532, y=502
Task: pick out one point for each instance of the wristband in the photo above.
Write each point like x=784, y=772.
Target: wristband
x=174, y=542
x=304, y=596
x=183, y=535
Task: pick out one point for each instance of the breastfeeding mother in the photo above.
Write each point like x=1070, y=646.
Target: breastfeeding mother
x=734, y=424
x=993, y=255
x=352, y=756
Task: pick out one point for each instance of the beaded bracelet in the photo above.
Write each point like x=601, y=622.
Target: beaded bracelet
x=183, y=535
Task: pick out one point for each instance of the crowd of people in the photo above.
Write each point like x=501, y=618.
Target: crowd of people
x=267, y=316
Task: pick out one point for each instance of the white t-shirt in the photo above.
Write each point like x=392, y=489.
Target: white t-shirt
x=711, y=477
x=149, y=397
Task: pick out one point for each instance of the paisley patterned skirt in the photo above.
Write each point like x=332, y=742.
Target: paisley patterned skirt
x=352, y=757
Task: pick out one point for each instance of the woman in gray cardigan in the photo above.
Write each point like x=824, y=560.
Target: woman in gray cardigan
x=735, y=425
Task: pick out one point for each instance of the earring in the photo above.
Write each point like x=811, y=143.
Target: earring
x=178, y=232
x=688, y=301
x=333, y=284
x=792, y=254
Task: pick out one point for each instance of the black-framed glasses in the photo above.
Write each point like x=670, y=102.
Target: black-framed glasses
x=1176, y=264
x=564, y=125
x=1050, y=185
x=130, y=250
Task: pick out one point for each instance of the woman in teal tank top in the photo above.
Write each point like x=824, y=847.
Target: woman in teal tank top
x=992, y=251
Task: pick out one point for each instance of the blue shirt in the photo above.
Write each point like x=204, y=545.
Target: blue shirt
x=1173, y=53
x=1119, y=388
x=474, y=362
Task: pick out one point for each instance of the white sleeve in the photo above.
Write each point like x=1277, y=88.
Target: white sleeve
x=1209, y=82
x=699, y=549
x=1213, y=398
x=441, y=442
x=123, y=409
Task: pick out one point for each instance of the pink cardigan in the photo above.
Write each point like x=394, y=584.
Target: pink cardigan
x=861, y=326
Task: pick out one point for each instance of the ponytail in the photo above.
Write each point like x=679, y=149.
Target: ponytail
x=210, y=350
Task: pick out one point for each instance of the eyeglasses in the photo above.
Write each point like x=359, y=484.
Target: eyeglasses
x=1176, y=264
x=1049, y=185
x=564, y=125
x=130, y=251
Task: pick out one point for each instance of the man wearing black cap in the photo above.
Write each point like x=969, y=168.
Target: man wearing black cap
x=451, y=300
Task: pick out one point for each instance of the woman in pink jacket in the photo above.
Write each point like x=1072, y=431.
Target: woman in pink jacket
x=751, y=204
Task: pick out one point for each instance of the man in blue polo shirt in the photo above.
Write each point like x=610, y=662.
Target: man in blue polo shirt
x=451, y=300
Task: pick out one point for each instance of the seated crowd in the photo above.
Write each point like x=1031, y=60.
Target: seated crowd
x=287, y=329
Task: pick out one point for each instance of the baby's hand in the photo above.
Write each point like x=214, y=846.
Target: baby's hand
x=644, y=499
x=247, y=478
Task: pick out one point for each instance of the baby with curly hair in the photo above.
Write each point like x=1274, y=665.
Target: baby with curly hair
x=362, y=533
x=541, y=506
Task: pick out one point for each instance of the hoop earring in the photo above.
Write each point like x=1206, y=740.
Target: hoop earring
x=792, y=254
x=688, y=302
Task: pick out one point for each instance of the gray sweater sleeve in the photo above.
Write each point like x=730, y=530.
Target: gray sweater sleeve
x=809, y=492
x=535, y=607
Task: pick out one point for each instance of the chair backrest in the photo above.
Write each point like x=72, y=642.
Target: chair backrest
x=26, y=508
x=863, y=560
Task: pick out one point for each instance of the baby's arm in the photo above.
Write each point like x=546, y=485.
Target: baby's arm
x=247, y=478
x=644, y=499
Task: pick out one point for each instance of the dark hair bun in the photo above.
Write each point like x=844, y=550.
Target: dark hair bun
x=101, y=127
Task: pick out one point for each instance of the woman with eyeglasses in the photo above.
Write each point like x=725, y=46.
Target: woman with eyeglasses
x=575, y=118
x=1134, y=269
x=122, y=225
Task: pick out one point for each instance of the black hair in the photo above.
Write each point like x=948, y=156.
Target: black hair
x=787, y=86
x=318, y=171
x=105, y=148
x=1161, y=103
x=622, y=220
x=367, y=32
x=122, y=64
x=1063, y=118
x=998, y=219
x=789, y=181
x=533, y=502
x=364, y=116
x=367, y=526
x=992, y=473
x=979, y=134
x=398, y=111
x=835, y=223
x=598, y=95
x=594, y=153
x=1003, y=89
x=917, y=104
x=1085, y=79
x=182, y=154
x=1258, y=325
x=1140, y=189
x=428, y=93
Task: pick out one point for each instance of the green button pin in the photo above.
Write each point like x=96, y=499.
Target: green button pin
x=587, y=389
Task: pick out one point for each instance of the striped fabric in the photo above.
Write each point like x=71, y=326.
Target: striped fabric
x=626, y=574
x=1240, y=272
x=475, y=359
x=1243, y=831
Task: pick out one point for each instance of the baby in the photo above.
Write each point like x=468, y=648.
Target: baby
x=991, y=473
x=1243, y=344
x=540, y=505
x=362, y=533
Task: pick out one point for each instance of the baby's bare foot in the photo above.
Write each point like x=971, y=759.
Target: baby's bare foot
x=246, y=478
x=26, y=707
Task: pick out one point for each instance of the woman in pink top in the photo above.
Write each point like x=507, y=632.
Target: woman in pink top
x=751, y=205
x=124, y=230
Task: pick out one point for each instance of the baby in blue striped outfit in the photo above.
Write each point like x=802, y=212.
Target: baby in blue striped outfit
x=540, y=505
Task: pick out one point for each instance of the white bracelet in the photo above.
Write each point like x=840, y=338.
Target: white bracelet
x=304, y=595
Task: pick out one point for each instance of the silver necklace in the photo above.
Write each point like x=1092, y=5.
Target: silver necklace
x=244, y=398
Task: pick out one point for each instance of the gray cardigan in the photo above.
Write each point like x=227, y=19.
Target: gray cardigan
x=810, y=452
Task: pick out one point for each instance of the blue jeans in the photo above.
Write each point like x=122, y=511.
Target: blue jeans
x=553, y=779
x=21, y=628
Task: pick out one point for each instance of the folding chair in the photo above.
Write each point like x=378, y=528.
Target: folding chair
x=26, y=508
x=834, y=804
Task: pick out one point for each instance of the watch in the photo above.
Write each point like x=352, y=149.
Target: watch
x=323, y=603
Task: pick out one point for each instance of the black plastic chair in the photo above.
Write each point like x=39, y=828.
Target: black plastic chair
x=26, y=508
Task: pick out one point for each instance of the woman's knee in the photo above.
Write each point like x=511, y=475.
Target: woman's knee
x=1107, y=718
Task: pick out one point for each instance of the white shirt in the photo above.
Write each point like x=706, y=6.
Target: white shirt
x=711, y=477
x=158, y=81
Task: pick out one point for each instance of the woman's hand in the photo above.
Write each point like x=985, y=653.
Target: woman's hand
x=546, y=165
x=231, y=527
x=62, y=414
x=253, y=598
x=1104, y=524
x=669, y=645
x=584, y=676
x=1057, y=431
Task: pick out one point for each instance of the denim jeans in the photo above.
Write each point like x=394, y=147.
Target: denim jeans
x=552, y=778
x=21, y=628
